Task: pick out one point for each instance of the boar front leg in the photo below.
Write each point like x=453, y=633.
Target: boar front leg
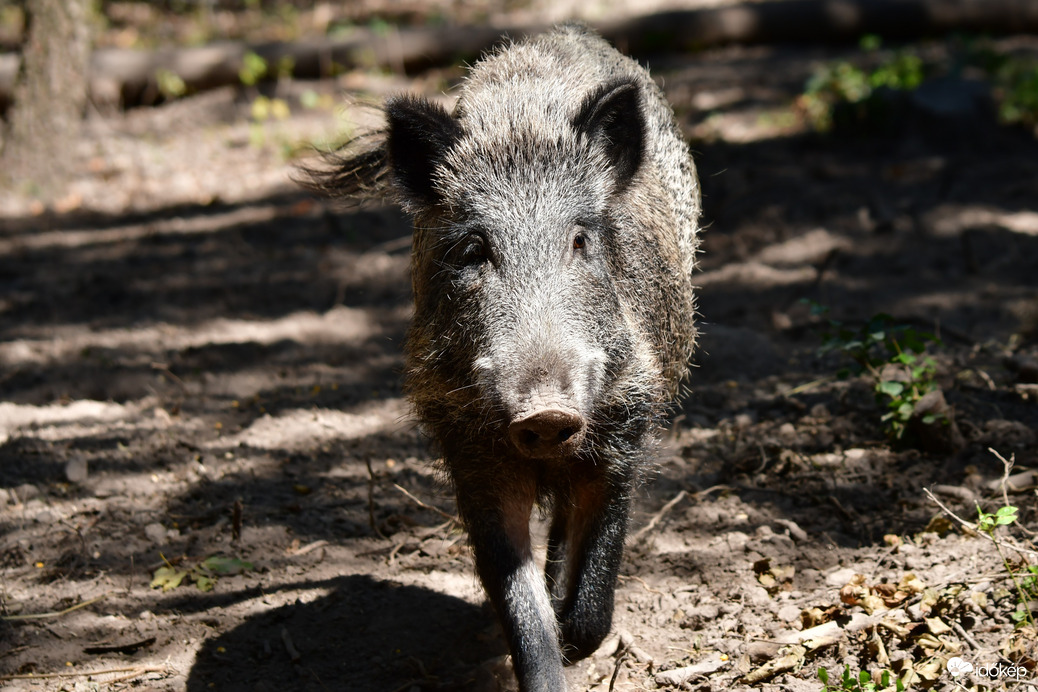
x=587, y=539
x=497, y=514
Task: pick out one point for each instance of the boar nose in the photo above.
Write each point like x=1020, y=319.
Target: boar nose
x=551, y=432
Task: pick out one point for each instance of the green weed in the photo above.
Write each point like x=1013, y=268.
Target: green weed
x=840, y=84
x=253, y=69
x=171, y=85
x=893, y=356
x=862, y=682
x=1017, y=89
x=204, y=574
x=1025, y=580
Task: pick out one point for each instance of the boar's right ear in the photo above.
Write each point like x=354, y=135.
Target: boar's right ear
x=612, y=115
x=420, y=134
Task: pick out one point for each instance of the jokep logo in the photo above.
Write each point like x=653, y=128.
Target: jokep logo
x=957, y=667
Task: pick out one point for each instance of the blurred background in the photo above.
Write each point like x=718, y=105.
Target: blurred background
x=280, y=71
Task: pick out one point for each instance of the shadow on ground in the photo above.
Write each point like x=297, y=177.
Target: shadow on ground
x=363, y=634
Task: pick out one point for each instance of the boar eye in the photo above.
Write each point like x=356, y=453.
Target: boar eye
x=579, y=241
x=472, y=250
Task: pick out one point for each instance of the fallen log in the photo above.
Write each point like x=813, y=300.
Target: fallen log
x=129, y=77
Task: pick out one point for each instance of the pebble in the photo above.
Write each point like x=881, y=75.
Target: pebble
x=789, y=613
x=25, y=492
x=156, y=532
x=707, y=611
x=841, y=576
x=736, y=540
x=76, y=469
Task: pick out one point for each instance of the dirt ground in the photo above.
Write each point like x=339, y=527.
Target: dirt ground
x=198, y=359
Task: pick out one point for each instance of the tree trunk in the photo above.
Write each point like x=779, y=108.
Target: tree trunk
x=49, y=97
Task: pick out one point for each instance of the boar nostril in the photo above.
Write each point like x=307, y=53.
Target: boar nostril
x=529, y=438
x=551, y=432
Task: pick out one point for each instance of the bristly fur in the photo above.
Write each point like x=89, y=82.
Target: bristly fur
x=355, y=171
x=556, y=221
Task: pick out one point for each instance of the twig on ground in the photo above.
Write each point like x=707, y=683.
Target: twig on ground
x=392, y=553
x=795, y=532
x=293, y=653
x=164, y=369
x=134, y=672
x=621, y=656
x=800, y=389
x=659, y=515
x=15, y=650
x=627, y=641
x=973, y=527
x=309, y=547
x=847, y=514
x=58, y=613
x=956, y=491
x=641, y=581
x=236, y=519
x=791, y=658
x=987, y=379
x=429, y=507
x=371, y=500
x=1007, y=468
x=965, y=636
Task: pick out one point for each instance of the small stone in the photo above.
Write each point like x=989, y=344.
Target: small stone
x=76, y=469
x=757, y=595
x=820, y=411
x=156, y=532
x=789, y=613
x=841, y=577
x=759, y=651
x=26, y=492
x=736, y=540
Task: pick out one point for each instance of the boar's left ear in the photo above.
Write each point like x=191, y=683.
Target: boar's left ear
x=420, y=135
x=612, y=115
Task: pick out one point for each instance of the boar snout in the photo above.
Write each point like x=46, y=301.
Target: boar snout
x=548, y=432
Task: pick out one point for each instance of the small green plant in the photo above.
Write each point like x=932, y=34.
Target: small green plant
x=1018, y=89
x=1029, y=594
x=893, y=356
x=835, y=84
x=903, y=72
x=862, y=682
x=1026, y=580
x=264, y=110
x=204, y=574
x=1014, y=79
x=902, y=396
x=170, y=84
x=253, y=69
x=987, y=523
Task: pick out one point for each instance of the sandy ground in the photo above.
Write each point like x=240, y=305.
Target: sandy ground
x=196, y=359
